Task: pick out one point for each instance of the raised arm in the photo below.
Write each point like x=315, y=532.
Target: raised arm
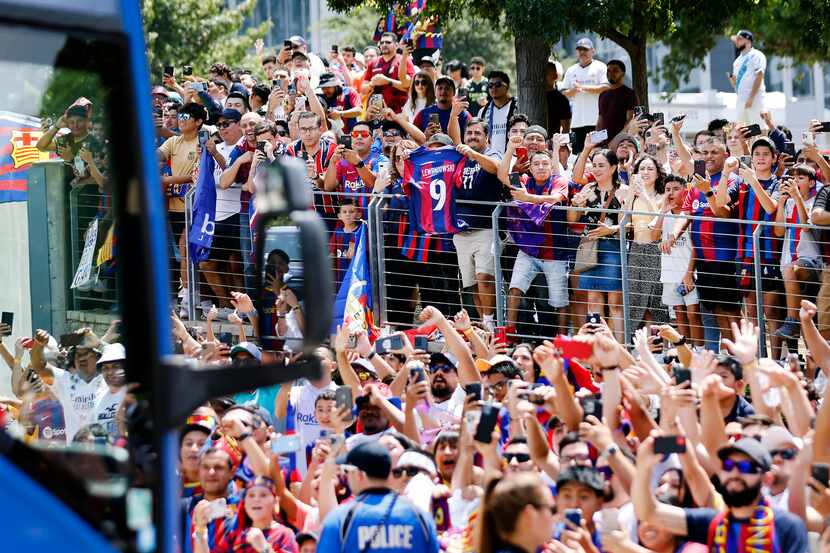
x=467, y=372
x=646, y=506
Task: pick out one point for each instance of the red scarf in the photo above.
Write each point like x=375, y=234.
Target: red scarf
x=755, y=536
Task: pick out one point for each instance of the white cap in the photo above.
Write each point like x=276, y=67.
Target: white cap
x=777, y=436
x=112, y=353
x=417, y=459
x=585, y=42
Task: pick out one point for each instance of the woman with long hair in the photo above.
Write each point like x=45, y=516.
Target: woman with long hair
x=421, y=94
x=602, y=190
x=645, y=200
x=516, y=515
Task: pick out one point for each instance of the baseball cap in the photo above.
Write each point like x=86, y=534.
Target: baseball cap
x=369, y=457
x=364, y=365
x=777, y=436
x=112, y=353
x=485, y=365
x=587, y=476
x=202, y=423
x=297, y=39
x=743, y=33
x=625, y=137
x=440, y=138
x=328, y=79
x=230, y=114
x=417, y=459
x=443, y=357
x=77, y=111
x=427, y=59
x=160, y=90
x=750, y=447
x=537, y=129
x=584, y=42
x=445, y=80
x=248, y=347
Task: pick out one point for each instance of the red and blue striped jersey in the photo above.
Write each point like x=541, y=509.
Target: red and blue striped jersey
x=712, y=240
x=339, y=241
x=750, y=209
x=431, y=178
x=323, y=203
x=349, y=181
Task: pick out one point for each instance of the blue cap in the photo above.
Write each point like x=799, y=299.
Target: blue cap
x=369, y=457
x=231, y=114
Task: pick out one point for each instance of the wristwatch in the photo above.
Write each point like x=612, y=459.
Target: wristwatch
x=609, y=451
x=360, y=164
x=680, y=342
x=371, y=355
x=244, y=436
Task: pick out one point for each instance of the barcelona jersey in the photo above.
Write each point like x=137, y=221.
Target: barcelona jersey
x=431, y=178
x=712, y=240
x=752, y=210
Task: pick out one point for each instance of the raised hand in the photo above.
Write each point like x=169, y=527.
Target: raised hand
x=745, y=346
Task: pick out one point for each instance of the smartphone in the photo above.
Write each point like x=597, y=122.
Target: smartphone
x=435, y=119
x=276, y=84
x=286, y=443
x=574, y=516
x=463, y=93
x=639, y=111
x=345, y=141
x=651, y=149
x=659, y=118
x=571, y=348
x=821, y=472
x=593, y=318
x=69, y=340
x=599, y=136
x=592, y=406
x=343, y=398
x=199, y=87
x=260, y=146
x=521, y=153
x=287, y=44
x=389, y=343
x=377, y=100
x=681, y=375
x=789, y=148
x=533, y=397
x=204, y=136
x=168, y=70
x=225, y=337
x=746, y=161
x=700, y=167
x=218, y=508
x=352, y=341
x=335, y=48
x=292, y=89
x=8, y=319
x=752, y=130
x=473, y=389
x=610, y=519
x=417, y=374
x=487, y=423
x=677, y=118
x=515, y=180
x=572, y=137
x=421, y=343
x=436, y=347
x=825, y=127
x=187, y=70
x=500, y=335
x=669, y=444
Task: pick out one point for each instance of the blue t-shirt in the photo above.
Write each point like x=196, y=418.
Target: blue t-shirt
x=379, y=520
x=422, y=118
x=742, y=408
x=790, y=532
x=479, y=185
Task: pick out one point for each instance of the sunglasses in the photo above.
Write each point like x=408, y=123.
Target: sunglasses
x=184, y=116
x=441, y=368
x=391, y=134
x=397, y=472
x=226, y=124
x=361, y=134
x=786, y=454
x=520, y=457
x=744, y=467
x=495, y=85
x=282, y=133
x=418, y=82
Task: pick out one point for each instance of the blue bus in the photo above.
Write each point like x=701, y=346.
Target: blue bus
x=85, y=243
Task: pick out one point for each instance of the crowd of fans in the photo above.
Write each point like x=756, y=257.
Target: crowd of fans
x=453, y=435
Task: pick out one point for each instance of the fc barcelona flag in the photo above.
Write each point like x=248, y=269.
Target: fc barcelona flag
x=18, y=136
x=353, y=305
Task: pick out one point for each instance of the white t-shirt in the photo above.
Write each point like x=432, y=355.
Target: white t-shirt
x=745, y=67
x=497, y=119
x=584, y=105
x=301, y=400
x=227, y=200
x=77, y=397
x=356, y=439
x=449, y=412
x=106, y=407
x=675, y=264
x=807, y=246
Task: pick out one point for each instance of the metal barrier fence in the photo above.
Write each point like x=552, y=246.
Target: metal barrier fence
x=632, y=283
x=90, y=242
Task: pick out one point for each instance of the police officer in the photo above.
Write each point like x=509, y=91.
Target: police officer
x=379, y=519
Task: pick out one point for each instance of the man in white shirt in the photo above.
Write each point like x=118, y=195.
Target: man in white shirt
x=747, y=78
x=111, y=393
x=584, y=82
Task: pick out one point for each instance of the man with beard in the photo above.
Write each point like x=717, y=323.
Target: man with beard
x=750, y=523
x=783, y=448
x=372, y=419
x=747, y=78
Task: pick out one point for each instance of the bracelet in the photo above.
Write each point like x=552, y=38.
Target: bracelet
x=244, y=436
x=680, y=342
x=709, y=194
x=612, y=368
x=609, y=451
x=371, y=355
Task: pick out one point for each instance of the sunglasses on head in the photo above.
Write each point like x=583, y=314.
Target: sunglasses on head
x=397, y=472
x=520, y=457
x=184, y=116
x=786, y=454
x=744, y=467
x=361, y=134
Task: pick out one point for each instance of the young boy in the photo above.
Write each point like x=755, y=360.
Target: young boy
x=580, y=488
x=800, y=256
x=342, y=239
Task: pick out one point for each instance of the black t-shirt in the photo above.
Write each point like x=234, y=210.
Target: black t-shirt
x=822, y=201
x=613, y=106
x=476, y=92
x=479, y=185
x=790, y=532
x=559, y=109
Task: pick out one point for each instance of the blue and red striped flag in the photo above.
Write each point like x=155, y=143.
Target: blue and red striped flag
x=18, y=136
x=353, y=305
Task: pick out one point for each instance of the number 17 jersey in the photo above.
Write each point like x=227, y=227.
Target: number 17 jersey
x=431, y=178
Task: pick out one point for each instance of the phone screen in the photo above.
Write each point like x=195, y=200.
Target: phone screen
x=486, y=425
x=343, y=397
x=8, y=319
x=700, y=167
x=669, y=444
x=421, y=343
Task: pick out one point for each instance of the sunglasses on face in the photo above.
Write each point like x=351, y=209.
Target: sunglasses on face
x=786, y=454
x=225, y=125
x=744, y=467
x=282, y=133
x=391, y=134
x=519, y=457
x=397, y=472
x=184, y=116
x=441, y=368
x=498, y=84
x=361, y=134
x=420, y=82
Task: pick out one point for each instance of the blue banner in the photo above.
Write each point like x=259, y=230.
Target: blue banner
x=204, y=210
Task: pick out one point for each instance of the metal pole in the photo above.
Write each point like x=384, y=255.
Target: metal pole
x=378, y=260
x=74, y=229
x=497, y=247
x=759, y=292
x=624, y=274
x=190, y=278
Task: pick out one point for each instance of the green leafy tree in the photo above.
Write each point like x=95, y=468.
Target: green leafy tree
x=199, y=33
x=793, y=28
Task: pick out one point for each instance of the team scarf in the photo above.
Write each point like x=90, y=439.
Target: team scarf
x=757, y=536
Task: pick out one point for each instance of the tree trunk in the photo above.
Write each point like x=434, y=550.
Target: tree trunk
x=531, y=63
x=639, y=70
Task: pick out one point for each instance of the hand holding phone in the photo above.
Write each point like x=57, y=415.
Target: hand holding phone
x=343, y=398
x=8, y=321
x=821, y=472
x=486, y=424
x=666, y=445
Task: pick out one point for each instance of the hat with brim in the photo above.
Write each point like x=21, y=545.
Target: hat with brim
x=328, y=80
x=247, y=347
x=777, y=437
x=427, y=59
x=439, y=138
x=417, y=459
x=369, y=457
x=624, y=137
x=750, y=447
x=584, y=44
x=112, y=353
